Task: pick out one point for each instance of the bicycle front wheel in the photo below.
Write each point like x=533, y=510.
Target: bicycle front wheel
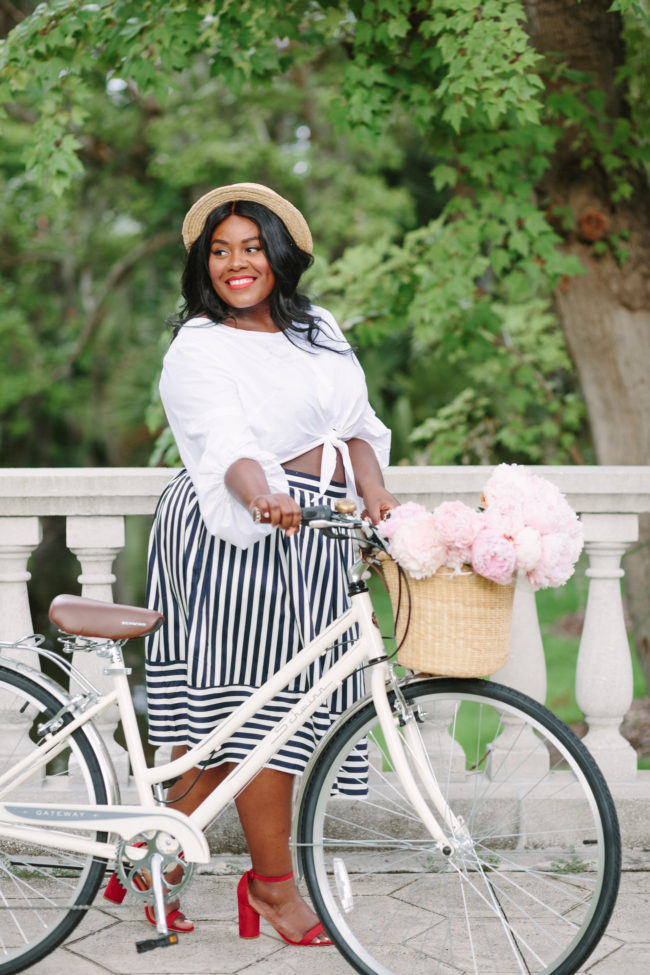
x=43, y=892
x=533, y=878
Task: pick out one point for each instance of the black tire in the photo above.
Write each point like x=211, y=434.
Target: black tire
x=532, y=887
x=44, y=893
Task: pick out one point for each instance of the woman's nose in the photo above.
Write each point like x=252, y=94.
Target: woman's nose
x=238, y=259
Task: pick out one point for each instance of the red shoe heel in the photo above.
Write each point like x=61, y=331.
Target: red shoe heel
x=249, y=918
x=114, y=892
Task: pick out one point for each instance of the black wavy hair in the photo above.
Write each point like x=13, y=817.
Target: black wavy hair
x=290, y=310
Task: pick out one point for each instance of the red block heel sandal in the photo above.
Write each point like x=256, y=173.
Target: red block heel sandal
x=249, y=918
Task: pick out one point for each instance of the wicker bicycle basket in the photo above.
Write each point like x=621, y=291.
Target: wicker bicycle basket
x=458, y=624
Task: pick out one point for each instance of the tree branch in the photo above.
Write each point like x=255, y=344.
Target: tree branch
x=120, y=270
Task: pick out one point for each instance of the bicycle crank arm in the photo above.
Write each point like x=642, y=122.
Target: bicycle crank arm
x=126, y=821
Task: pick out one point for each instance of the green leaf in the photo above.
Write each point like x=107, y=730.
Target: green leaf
x=444, y=175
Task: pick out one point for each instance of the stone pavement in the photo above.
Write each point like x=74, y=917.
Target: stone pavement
x=103, y=944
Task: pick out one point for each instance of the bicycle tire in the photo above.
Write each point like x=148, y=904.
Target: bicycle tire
x=532, y=890
x=44, y=893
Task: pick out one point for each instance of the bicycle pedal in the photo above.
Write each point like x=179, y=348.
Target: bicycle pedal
x=162, y=942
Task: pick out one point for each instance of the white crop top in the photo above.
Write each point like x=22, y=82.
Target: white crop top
x=230, y=393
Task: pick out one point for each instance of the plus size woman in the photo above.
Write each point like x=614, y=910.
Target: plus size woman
x=269, y=409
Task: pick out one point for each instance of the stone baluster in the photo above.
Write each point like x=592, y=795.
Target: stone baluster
x=19, y=536
x=516, y=750
x=604, y=685
x=163, y=754
x=445, y=753
x=96, y=541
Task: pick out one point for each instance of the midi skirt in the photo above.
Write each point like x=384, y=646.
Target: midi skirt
x=234, y=617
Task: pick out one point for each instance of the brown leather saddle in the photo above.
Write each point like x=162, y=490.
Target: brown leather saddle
x=111, y=621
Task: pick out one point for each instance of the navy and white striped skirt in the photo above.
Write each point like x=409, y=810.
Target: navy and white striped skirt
x=233, y=617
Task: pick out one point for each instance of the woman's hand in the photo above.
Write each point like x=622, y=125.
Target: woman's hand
x=246, y=481
x=369, y=481
x=378, y=502
x=279, y=510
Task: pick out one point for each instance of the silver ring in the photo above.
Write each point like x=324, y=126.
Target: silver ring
x=257, y=514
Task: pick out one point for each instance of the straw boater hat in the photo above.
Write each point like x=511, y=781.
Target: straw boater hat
x=291, y=217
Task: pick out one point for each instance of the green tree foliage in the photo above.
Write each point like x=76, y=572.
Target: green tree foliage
x=122, y=112
x=90, y=276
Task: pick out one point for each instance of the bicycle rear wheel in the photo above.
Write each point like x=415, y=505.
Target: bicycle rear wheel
x=531, y=886
x=43, y=892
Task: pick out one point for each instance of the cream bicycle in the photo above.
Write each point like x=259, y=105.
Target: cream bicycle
x=482, y=839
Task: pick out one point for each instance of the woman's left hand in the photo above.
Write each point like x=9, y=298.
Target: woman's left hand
x=378, y=502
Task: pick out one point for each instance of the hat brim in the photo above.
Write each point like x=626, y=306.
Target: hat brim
x=290, y=216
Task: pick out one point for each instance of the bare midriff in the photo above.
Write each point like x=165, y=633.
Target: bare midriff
x=309, y=463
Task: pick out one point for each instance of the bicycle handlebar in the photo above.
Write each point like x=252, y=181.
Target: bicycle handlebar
x=319, y=512
x=332, y=522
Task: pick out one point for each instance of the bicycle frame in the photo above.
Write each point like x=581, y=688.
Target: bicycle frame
x=128, y=820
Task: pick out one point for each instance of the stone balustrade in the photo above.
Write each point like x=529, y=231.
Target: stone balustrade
x=609, y=499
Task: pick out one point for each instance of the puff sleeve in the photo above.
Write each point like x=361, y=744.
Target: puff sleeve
x=205, y=413
x=371, y=429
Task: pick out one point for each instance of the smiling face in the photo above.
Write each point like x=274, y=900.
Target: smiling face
x=240, y=273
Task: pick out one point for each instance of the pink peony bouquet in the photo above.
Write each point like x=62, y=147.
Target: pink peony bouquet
x=525, y=524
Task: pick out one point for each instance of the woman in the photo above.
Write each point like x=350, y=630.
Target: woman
x=269, y=409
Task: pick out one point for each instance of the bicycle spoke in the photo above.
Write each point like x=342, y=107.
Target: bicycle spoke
x=42, y=895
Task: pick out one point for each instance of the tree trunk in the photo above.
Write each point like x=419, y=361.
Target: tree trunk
x=605, y=312
x=13, y=13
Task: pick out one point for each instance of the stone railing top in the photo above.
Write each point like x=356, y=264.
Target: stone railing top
x=135, y=490
x=588, y=489
x=81, y=490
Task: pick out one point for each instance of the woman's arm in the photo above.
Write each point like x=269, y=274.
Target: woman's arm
x=369, y=480
x=246, y=480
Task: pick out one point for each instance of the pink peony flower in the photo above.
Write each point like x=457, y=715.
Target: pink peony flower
x=504, y=496
x=528, y=546
x=388, y=525
x=540, y=502
x=494, y=556
x=457, y=524
x=548, y=512
x=416, y=546
x=506, y=486
x=508, y=520
x=557, y=562
x=541, y=515
x=527, y=524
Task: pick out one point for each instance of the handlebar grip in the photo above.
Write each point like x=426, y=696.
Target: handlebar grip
x=316, y=512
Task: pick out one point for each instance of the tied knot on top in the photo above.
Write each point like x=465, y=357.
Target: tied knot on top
x=331, y=443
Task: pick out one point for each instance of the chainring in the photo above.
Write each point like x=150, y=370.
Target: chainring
x=134, y=872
